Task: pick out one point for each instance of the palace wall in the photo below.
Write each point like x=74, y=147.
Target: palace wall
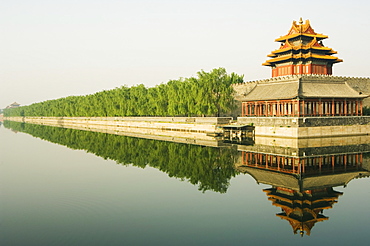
x=362, y=85
x=241, y=90
x=308, y=127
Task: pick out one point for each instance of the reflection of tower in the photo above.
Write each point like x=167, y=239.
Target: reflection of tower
x=302, y=179
x=302, y=209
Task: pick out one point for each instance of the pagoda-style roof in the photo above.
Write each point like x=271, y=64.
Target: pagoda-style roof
x=301, y=30
x=300, y=87
x=313, y=45
x=308, y=55
x=302, y=46
x=302, y=226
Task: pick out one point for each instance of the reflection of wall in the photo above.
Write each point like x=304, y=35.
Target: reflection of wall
x=309, y=147
x=151, y=125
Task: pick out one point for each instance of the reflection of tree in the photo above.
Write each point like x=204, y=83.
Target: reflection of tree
x=209, y=168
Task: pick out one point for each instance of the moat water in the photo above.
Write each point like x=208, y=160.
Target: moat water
x=71, y=187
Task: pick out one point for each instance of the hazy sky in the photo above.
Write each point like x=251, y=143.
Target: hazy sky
x=51, y=49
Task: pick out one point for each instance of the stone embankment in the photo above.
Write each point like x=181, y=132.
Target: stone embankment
x=308, y=127
x=201, y=127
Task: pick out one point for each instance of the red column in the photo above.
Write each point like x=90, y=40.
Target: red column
x=286, y=111
x=291, y=108
x=255, y=109
x=255, y=159
x=332, y=107
x=261, y=108
x=299, y=108
x=332, y=162
x=324, y=108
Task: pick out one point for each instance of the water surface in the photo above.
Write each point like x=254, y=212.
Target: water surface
x=70, y=187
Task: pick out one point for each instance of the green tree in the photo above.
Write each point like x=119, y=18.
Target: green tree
x=208, y=94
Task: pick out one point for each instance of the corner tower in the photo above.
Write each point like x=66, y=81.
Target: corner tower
x=302, y=52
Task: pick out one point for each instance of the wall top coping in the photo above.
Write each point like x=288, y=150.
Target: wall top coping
x=307, y=77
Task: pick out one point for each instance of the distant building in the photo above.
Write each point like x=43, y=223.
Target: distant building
x=13, y=105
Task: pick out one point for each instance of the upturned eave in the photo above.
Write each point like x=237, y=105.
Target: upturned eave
x=294, y=35
x=306, y=47
x=333, y=59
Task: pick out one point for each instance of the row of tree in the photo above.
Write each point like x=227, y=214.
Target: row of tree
x=207, y=94
x=208, y=168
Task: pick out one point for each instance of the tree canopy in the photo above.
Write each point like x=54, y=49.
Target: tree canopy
x=207, y=94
